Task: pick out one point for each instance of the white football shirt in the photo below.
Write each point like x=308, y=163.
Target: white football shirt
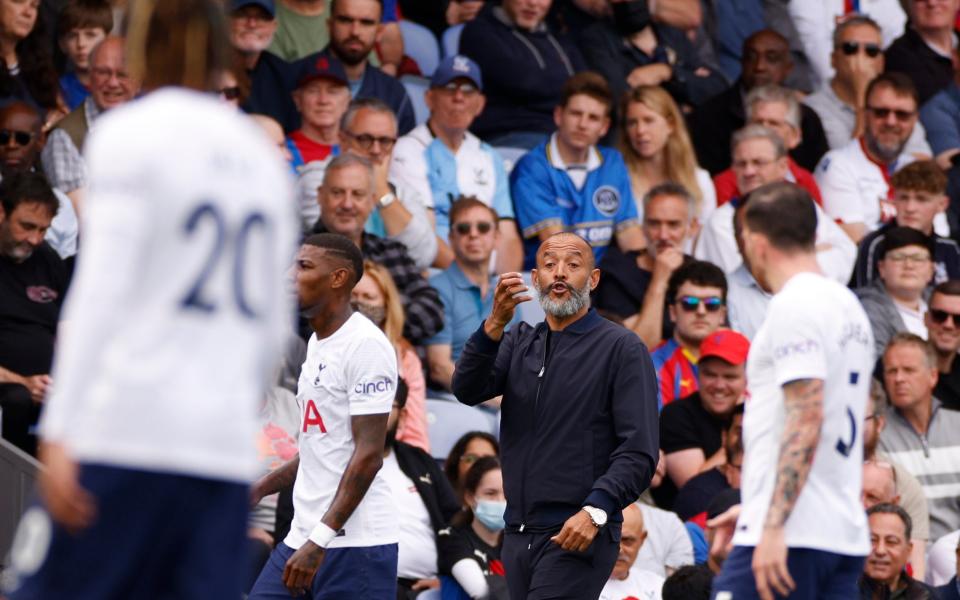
x=178, y=310
x=350, y=373
x=417, y=552
x=815, y=329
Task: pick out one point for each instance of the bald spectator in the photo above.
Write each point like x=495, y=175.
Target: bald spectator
x=633, y=287
x=33, y=282
x=443, y=161
x=854, y=179
x=908, y=491
x=760, y=158
x=840, y=102
x=21, y=141
x=354, y=29
x=321, y=98
x=624, y=581
x=525, y=65
x=776, y=108
x=885, y=574
x=925, y=50
x=110, y=86
x=919, y=195
x=943, y=330
x=879, y=484
x=920, y=434
x=252, y=27
x=894, y=302
x=347, y=199
x=766, y=60
x=815, y=20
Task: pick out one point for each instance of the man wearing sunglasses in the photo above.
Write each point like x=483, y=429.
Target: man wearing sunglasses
x=466, y=286
x=943, y=331
x=840, y=103
x=801, y=529
x=442, y=160
x=854, y=179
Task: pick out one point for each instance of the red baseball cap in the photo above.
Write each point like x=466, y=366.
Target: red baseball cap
x=726, y=344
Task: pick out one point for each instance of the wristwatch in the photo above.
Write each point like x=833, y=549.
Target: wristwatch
x=597, y=515
x=386, y=199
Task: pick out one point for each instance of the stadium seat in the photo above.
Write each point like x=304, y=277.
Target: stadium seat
x=531, y=312
x=510, y=156
x=416, y=87
x=447, y=421
x=420, y=45
x=451, y=40
x=433, y=594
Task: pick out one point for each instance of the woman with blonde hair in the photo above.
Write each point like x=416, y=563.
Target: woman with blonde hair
x=657, y=149
x=376, y=297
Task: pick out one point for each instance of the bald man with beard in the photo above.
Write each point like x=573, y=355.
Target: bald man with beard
x=579, y=425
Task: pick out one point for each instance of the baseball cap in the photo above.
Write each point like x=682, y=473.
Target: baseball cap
x=324, y=66
x=726, y=344
x=266, y=5
x=895, y=238
x=455, y=67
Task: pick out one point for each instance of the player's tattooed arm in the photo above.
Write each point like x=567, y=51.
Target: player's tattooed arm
x=801, y=434
x=276, y=480
x=369, y=433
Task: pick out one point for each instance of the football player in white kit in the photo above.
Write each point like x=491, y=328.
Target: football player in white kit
x=802, y=532
x=176, y=316
x=343, y=540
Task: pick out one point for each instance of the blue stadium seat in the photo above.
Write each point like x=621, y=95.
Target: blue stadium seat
x=531, y=312
x=447, y=421
x=510, y=156
x=416, y=87
x=451, y=40
x=420, y=45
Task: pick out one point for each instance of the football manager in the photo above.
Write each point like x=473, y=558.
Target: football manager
x=579, y=432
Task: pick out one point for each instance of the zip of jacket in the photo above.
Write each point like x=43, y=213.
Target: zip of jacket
x=536, y=403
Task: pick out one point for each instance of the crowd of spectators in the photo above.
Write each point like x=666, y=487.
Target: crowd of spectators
x=641, y=125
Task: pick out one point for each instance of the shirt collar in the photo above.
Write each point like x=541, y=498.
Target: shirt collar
x=460, y=279
x=91, y=110
x=553, y=155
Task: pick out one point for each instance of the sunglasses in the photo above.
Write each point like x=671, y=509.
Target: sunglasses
x=851, y=48
x=940, y=317
x=468, y=89
x=464, y=228
x=230, y=93
x=691, y=303
x=22, y=138
x=883, y=113
x=366, y=141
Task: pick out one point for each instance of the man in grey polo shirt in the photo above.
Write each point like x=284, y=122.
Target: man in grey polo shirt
x=840, y=103
x=920, y=434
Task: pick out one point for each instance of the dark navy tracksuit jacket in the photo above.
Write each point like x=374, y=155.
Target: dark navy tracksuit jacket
x=579, y=424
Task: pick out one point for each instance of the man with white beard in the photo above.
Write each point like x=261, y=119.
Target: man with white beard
x=579, y=427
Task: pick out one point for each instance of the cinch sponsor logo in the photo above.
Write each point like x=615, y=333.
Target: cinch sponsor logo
x=799, y=347
x=373, y=387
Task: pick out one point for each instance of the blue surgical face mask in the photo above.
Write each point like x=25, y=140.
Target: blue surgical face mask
x=490, y=513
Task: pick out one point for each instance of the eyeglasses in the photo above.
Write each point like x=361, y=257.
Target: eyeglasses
x=691, y=303
x=851, y=48
x=883, y=113
x=940, y=317
x=230, y=93
x=467, y=89
x=464, y=228
x=106, y=73
x=22, y=138
x=901, y=257
x=366, y=141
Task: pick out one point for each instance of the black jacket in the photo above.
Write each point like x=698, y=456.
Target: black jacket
x=910, y=55
x=948, y=591
x=271, y=82
x=712, y=124
x=431, y=483
x=579, y=416
x=871, y=589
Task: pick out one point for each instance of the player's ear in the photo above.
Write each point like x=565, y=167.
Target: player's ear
x=594, y=278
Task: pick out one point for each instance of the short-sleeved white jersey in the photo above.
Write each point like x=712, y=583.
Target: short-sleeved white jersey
x=814, y=329
x=350, y=373
x=179, y=308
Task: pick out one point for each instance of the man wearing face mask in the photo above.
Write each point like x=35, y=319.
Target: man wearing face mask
x=579, y=443
x=630, y=50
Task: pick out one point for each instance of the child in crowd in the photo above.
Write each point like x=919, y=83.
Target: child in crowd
x=83, y=24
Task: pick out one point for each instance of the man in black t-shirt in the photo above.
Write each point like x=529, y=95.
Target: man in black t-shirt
x=691, y=428
x=33, y=281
